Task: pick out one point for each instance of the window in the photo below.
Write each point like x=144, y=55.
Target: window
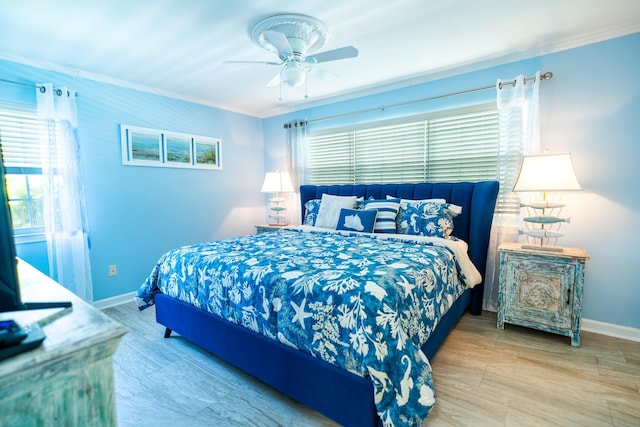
x=455, y=145
x=25, y=200
x=21, y=155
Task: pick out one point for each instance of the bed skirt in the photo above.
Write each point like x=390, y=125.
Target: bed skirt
x=338, y=394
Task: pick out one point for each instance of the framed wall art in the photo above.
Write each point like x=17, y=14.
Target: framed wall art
x=207, y=151
x=144, y=146
x=160, y=148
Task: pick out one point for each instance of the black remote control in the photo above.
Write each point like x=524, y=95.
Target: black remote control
x=11, y=333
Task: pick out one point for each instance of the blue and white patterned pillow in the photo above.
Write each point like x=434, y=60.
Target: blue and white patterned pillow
x=428, y=218
x=360, y=202
x=357, y=220
x=311, y=209
x=403, y=208
x=387, y=212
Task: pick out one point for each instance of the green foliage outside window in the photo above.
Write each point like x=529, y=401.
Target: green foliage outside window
x=25, y=200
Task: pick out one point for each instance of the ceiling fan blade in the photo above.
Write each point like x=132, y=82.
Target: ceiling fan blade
x=280, y=42
x=323, y=74
x=275, y=81
x=253, y=62
x=332, y=55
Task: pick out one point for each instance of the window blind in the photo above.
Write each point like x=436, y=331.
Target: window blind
x=463, y=147
x=19, y=137
x=331, y=159
x=456, y=145
x=392, y=153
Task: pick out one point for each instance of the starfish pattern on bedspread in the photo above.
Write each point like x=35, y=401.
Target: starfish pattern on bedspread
x=357, y=301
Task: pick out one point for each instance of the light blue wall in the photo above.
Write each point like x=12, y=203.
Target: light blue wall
x=138, y=213
x=590, y=108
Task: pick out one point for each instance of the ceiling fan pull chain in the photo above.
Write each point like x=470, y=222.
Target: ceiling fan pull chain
x=306, y=92
x=280, y=86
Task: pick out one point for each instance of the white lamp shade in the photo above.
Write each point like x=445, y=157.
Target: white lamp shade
x=547, y=172
x=293, y=75
x=277, y=182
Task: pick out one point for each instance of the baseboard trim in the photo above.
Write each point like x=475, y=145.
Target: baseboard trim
x=111, y=301
x=602, y=328
x=609, y=329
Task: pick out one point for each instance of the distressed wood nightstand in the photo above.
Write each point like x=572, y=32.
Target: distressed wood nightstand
x=268, y=228
x=542, y=289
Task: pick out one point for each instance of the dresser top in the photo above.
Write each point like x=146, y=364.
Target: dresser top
x=558, y=251
x=68, y=329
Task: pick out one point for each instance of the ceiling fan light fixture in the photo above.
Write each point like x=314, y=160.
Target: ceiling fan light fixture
x=294, y=38
x=293, y=74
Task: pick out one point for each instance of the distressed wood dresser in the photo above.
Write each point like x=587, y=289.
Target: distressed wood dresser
x=68, y=380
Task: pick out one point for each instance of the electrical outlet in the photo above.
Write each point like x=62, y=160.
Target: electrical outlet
x=113, y=270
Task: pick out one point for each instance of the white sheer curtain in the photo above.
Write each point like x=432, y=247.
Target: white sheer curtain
x=298, y=162
x=519, y=127
x=64, y=200
x=298, y=150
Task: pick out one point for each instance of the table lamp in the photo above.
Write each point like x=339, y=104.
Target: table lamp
x=277, y=182
x=545, y=173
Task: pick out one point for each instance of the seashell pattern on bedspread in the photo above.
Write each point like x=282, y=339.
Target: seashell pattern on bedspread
x=357, y=301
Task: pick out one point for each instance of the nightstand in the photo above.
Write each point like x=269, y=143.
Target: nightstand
x=268, y=228
x=542, y=289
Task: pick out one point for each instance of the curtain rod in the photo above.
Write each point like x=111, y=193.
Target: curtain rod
x=42, y=88
x=546, y=76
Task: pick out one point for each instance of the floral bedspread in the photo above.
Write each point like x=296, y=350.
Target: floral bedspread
x=357, y=301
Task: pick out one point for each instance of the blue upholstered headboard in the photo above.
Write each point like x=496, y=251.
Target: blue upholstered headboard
x=473, y=225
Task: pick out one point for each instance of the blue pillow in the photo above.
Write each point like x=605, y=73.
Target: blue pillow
x=311, y=209
x=387, y=212
x=428, y=218
x=357, y=220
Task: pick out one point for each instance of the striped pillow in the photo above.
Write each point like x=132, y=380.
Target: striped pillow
x=387, y=212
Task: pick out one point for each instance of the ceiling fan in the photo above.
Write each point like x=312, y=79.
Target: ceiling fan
x=293, y=37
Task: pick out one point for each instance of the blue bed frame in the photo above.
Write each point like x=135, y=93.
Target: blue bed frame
x=336, y=393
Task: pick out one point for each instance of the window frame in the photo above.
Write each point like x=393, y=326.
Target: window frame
x=20, y=140
x=30, y=199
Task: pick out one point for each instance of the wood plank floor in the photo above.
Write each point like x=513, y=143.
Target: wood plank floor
x=483, y=377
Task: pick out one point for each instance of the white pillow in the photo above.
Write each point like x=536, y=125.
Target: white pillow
x=329, y=211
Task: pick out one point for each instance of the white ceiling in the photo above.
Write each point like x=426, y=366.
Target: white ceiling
x=178, y=48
